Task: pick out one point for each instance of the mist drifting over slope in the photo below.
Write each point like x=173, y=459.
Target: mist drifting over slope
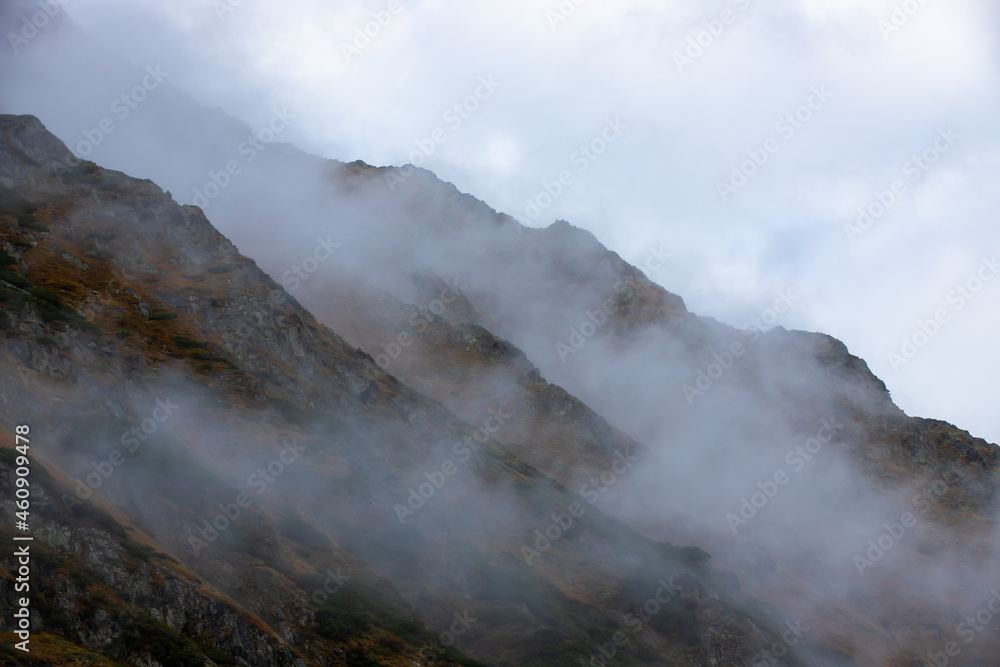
x=894, y=82
x=746, y=442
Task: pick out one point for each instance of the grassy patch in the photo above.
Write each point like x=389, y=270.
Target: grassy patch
x=200, y=351
x=53, y=616
x=48, y=303
x=358, y=610
x=185, y=343
x=217, y=656
x=163, y=643
x=303, y=532
x=10, y=275
x=13, y=299
x=78, y=172
x=17, y=207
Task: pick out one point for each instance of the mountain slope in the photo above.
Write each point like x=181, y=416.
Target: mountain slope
x=120, y=306
x=646, y=369
x=646, y=377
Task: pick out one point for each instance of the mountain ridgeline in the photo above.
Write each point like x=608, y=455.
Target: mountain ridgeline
x=399, y=428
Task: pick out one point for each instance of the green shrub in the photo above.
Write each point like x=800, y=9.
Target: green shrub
x=339, y=624
x=356, y=657
x=14, y=278
x=163, y=643
x=160, y=317
x=139, y=550
x=99, y=518
x=186, y=343
x=13, y=299
x=46, y=295
x=53, y=616
x=49, y=304
x=217, y=656
x=356, y=610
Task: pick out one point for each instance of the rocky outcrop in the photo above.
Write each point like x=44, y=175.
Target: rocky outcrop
x=102, y=584
x=455, y=471
x=256, y=447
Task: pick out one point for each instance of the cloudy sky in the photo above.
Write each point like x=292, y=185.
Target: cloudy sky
x=846, y=151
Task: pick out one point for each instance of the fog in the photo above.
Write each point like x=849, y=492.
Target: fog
x=892, y=90
x=754, y=435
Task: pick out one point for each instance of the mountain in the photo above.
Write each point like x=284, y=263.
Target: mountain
x=201, y=415
x=437, y=436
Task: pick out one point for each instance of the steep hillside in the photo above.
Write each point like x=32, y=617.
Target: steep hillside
x=722, y=411
x=484, y=437
x=467, y=305
x=254, y=446
x=540, y=341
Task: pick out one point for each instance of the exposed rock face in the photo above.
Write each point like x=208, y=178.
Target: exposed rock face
x=468, y=472
x=253, y=444
x=104, y=589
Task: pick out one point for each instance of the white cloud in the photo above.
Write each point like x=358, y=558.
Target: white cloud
x=657, y=185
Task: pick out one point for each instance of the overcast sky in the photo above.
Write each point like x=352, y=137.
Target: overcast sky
x=825, y=106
